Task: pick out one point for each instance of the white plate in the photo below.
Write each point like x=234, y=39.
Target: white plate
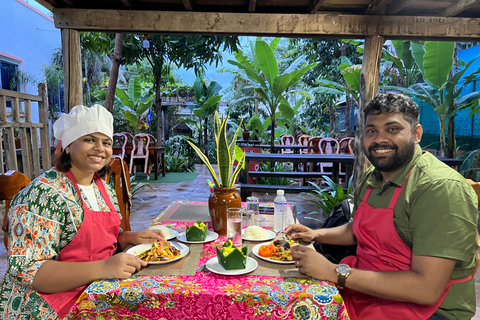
x=147, y=246
x=214, y=266
x=270, y=236
x=173, y=233
x=255, y=252
x=211, y=235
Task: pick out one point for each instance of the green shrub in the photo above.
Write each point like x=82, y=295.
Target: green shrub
x=278, y=167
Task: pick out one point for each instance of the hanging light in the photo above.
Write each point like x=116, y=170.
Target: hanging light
x=146, y=42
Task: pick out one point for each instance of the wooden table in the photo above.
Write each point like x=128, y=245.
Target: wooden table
x=279, y=147
x=153, y=151
x=186, y=289
x=346, y=160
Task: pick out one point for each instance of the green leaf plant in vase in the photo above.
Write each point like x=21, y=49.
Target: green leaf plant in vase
x=197, y=232
x=230, y=257
x=224, y=193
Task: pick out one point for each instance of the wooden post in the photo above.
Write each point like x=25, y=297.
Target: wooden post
x=368, y=89
x=45, y=131
x=72, y=68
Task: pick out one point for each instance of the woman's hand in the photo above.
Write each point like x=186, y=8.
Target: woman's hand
x=120, y=266
x=148, y=236
x=300, y=232
x=145, y=236
x=313, y=264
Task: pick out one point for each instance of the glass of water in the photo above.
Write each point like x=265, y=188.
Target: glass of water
x=253, y=211
x=234, y=226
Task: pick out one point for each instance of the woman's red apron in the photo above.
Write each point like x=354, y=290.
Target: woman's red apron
x=95, y=240
x=380, y=248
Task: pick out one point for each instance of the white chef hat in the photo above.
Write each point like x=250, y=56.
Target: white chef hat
x=82, y=120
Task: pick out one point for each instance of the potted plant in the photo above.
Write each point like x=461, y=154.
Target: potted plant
x=225, y=194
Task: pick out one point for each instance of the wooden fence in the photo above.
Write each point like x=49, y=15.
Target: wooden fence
x=33, y=155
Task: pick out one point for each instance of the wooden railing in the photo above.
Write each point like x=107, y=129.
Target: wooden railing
x=33, y=157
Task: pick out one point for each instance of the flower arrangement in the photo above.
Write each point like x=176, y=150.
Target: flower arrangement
x=226, y=155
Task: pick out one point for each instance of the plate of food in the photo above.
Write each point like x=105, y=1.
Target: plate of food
x=214, y=266
x=169, y=233
x=159, y=252
x=211, y=235
x=256, y=233
x=276, y=251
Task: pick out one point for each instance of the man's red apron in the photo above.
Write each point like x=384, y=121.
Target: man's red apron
x=95, y=240
x=380, y=248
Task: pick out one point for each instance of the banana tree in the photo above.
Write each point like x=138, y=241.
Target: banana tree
x=134, y=102
x=271, y=86
x=207, y=101
x=441, y=90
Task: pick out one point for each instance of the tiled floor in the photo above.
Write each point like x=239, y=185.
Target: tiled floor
x=149, y=204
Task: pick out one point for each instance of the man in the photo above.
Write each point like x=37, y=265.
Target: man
x=415, y=226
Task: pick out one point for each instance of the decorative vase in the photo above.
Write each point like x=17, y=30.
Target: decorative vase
x=218, y=202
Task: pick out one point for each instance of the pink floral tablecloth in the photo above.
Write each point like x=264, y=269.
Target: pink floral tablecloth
x=209, y=296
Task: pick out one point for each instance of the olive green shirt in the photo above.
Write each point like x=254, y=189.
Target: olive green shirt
x=435, y=215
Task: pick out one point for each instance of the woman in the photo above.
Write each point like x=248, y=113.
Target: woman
x=65, y=225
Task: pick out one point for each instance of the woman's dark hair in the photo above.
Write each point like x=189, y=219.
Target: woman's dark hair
x=63, y=163
x=393, y=103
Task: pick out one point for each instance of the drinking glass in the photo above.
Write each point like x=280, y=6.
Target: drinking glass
x=234, y=226
x=293, y=209
x=253, y=211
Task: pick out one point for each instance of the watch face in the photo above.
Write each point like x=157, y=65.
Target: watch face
x=343, y=269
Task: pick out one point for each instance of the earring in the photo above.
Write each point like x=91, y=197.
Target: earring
x=67, y=151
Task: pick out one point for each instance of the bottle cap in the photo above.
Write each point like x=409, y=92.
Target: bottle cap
x=280, y=192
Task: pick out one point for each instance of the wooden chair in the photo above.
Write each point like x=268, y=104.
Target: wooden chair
x=10, y=184
x=141, y=143
x=153, y=140
x=287, y=139
x=120, y=140
x=329, y=146
x=129, y=138
x=344, y=146
x=303, y=140
x=120, y=178
x=313, y=145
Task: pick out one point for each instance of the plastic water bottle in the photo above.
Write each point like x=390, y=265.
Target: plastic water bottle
x=280, y=204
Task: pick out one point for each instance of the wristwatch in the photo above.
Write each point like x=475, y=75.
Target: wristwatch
x=343, y=271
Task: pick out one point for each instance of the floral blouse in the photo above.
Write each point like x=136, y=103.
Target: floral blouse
x=44, y=217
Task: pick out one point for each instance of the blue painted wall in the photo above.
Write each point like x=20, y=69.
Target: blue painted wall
x=27, y=34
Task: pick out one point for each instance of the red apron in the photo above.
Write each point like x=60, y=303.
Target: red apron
x=380, y=248
x=95, y=240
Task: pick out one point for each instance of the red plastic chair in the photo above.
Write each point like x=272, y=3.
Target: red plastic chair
x=344, y=145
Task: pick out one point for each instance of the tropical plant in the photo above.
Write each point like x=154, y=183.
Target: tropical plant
x=134, y=102
x=271, y=86
x=135, y=187
x=469, y=159
x=178, y=156
x=258, y=128
x=207, y=100
x=226, y=155
x=442, y=90
x=277, y=167
x=328, y=198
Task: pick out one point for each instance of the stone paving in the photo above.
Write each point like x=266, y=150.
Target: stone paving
x=148, y=204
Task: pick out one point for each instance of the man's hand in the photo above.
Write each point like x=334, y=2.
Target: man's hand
x=300, y=232
x=313, y=264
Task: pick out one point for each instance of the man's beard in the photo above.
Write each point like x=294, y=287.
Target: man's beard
x=391, y=162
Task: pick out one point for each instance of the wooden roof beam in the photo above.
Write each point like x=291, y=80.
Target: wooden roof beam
x=127, y=3
x=457, y=7
x=377, y=7
x=252, y=5
x=188, y=5
x=396, y=6
x=316, y=5
x=279, y=25
x=51, y=5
